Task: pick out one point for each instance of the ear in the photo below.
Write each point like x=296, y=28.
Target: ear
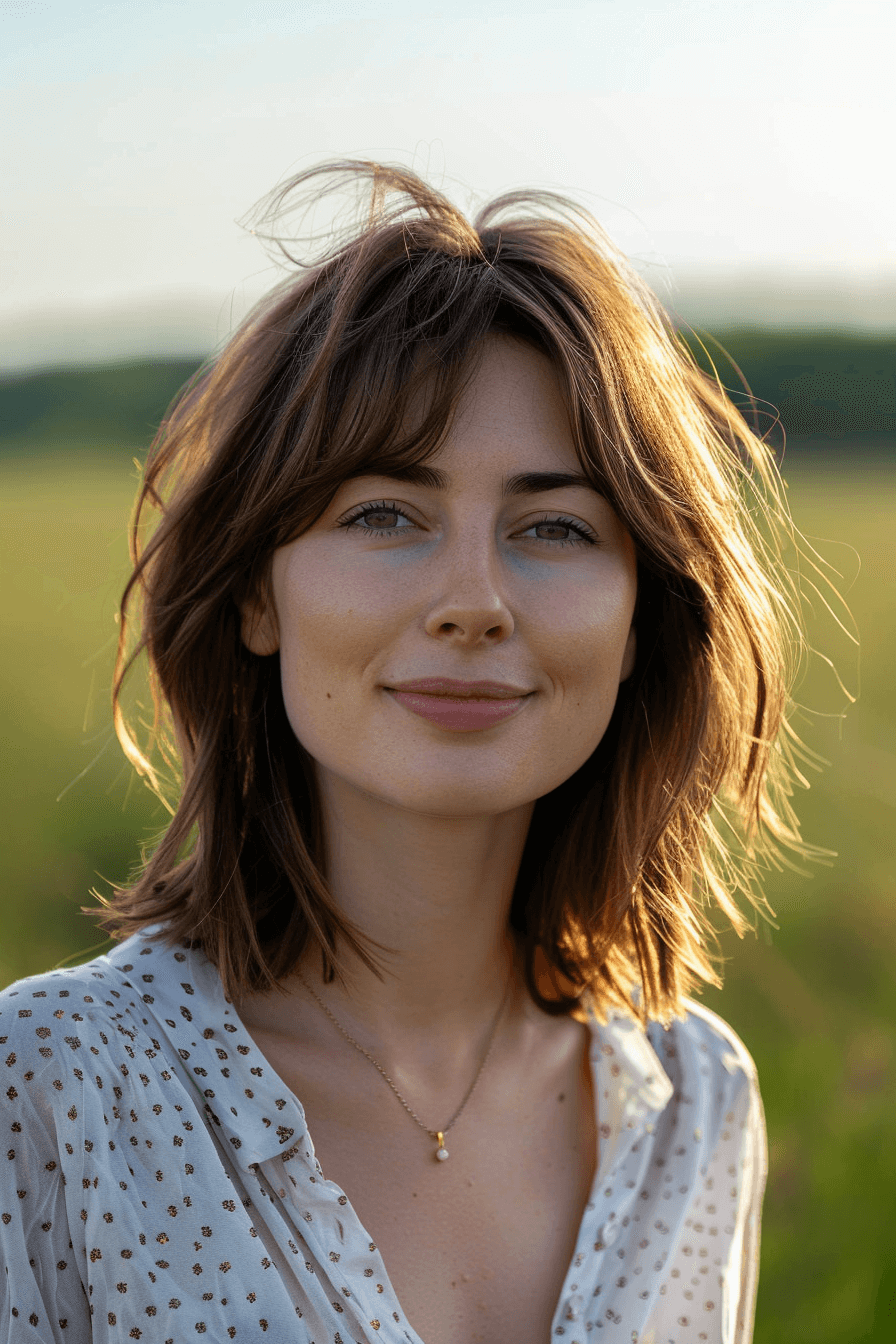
x=628, y=657
x=259, y=629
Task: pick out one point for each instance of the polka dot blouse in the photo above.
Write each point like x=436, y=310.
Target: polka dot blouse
x=158, y=1181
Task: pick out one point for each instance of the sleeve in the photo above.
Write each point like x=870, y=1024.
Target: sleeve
x=42, y=1299
x=711, y=1279
x=742, y=1311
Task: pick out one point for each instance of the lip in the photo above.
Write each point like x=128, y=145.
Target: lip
x=461, y=690
x=460, y=714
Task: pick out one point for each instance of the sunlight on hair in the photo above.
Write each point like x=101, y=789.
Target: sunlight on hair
x=687, y=799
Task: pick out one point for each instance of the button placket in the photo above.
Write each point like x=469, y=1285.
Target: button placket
x=574, y=1307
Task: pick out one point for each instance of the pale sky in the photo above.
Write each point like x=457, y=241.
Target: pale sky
x=747, y=146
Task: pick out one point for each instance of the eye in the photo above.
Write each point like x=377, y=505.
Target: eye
x=584, y=535
x=366, y=511
x=386, y=509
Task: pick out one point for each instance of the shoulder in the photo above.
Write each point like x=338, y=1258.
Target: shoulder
x=32, y=1007
x=49, y=1044
x=101, y=994
x=56, y=1025
x=704, y=1039
x=710, y=1068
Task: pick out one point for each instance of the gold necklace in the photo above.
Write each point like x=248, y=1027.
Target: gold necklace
x=442, y=1153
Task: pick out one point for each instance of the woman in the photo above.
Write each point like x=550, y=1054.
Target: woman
x=463, y=630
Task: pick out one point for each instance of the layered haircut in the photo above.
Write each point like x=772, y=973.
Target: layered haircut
x=687, y=795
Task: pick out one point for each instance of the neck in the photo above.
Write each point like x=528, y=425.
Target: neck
x=435, y=892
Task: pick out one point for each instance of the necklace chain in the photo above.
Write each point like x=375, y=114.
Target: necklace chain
x=437, y=1134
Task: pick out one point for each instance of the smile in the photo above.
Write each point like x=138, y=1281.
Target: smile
x=461, y=715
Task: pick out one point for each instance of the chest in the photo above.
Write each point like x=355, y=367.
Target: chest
x=476, y=1247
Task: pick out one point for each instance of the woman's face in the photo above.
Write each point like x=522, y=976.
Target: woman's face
x=466, y=582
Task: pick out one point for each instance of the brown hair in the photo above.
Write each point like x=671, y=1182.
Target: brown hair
x=622, y=859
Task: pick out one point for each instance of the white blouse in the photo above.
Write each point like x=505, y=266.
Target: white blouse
x=159, y=1181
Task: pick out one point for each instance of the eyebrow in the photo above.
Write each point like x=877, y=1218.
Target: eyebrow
x=522, y=483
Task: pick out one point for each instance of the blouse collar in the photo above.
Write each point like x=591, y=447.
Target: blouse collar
x=182, y=992
x=260, y=1117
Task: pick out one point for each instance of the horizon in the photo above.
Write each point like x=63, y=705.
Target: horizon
x=180, y=326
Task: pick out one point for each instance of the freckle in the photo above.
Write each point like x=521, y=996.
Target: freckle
x=329, y=696
x=562, y=1096
x=414, y=1194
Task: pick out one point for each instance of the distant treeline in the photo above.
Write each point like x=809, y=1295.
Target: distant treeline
x=826, y=387
x=107, y=406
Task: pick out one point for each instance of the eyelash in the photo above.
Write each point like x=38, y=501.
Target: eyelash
x=585, y=535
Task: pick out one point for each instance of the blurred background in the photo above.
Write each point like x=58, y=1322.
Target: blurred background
x=739, y=155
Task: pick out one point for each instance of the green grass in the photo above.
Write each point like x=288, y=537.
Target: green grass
x=814, y=1000
x=72, y=809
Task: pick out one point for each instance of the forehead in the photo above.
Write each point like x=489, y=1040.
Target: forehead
x=513, y=385
x=511, y=406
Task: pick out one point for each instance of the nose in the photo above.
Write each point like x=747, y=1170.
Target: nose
x=471, y=602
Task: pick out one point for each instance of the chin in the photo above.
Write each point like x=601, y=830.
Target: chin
x=451, y=798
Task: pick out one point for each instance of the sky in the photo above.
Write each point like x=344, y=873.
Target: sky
x=740, y=154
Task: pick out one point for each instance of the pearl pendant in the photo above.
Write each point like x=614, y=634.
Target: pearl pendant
x=442, y=1153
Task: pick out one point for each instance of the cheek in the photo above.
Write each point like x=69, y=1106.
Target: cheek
x=586, y=630
x=585, y=661
x=331, y=628
x=318, y=604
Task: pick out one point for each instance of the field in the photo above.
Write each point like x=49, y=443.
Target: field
x=813, y=999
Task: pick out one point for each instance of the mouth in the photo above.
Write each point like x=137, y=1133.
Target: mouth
x=447, y=688
x=460, y=713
